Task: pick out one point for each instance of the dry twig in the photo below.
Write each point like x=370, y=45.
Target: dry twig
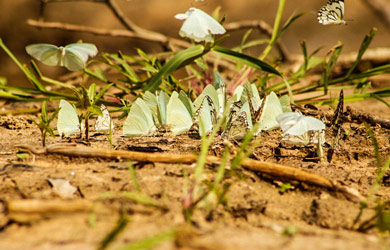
x=361, y=117
x=273, y=169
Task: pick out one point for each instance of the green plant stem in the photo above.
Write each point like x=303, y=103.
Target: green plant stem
x=274, y=31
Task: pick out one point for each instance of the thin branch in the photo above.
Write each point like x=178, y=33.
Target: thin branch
x=273, y=169
x=361, y=117
x=117, y=11
x=122, y=33
x=264, y=28
x=107, y=32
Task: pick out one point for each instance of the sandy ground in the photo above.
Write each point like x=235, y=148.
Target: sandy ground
x=256, y=213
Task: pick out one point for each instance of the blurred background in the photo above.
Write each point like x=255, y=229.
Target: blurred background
x=158, y=15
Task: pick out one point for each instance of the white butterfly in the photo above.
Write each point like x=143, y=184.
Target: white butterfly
x=103, y=122
x=199, y=26
x=73, y=56
x=298, y=128
x=139, y=122
x=332, y=13
x=178, y=117
x=68, y=122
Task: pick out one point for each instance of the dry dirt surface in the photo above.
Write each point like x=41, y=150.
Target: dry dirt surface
x=256, y=213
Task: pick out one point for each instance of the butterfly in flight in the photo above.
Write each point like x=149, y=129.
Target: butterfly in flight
x=332, y=13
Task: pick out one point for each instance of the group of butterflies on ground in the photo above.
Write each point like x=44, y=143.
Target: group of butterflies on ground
x=177, y=114
x=198, y=26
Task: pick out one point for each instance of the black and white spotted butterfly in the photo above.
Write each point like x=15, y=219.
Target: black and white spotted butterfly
x=332, y=13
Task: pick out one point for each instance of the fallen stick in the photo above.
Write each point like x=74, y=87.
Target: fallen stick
x=273, y=169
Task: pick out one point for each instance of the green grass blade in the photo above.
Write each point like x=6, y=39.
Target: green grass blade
x=366, y=42
x=121, y=224
x=304, y=52
x=329, y=65
x=275, y=30
x=286, y=25
x=150, y=242
x=181, y=59
x=247, y=60
x=27, y=72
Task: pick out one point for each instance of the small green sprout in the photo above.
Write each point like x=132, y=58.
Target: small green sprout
x=44, y=122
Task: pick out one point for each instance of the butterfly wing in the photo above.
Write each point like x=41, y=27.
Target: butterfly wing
x=85, y=49
x=46, y=53
x=151, y=100
x=285, y=102
x=332, y=13
x=76, y=55
x=178, y=117
x=162, y=102
x=272, y=108
x=238, y=126
x=203, y=117
x=304, y=125
x=68, y=122
x=206, y=20
x=187, y=102
x=199, y=26
x=104, y=122
x=288, y=120
x=139, y=122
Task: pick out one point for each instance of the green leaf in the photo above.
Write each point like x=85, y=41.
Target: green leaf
x=101, y=93
x=133, y=76
x=150, y=242
x=286, y=25
x=110, y=237
x=363, y=47
x=95, y=110
x=181, y=59
x=44, y=115
x=247, y=60
x=304, y=52
x=328, y=66
x=25, y=70
x=99, y=74
x=92, y=93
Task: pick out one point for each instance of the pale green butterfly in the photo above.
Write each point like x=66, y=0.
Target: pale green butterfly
x=139, y=122
x=204, y=115
x=209, y=91
x=285, y=102
x=245, y=108
x=272, y=108
x=187, y=102
x=220, y=86
x=237, y=93
x=199, y=26
x=73, y=56
x=158, y=105
x=104, y=122
x=68, y=122
x=178, y=118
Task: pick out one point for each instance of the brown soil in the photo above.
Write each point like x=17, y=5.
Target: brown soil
x=254, y=217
